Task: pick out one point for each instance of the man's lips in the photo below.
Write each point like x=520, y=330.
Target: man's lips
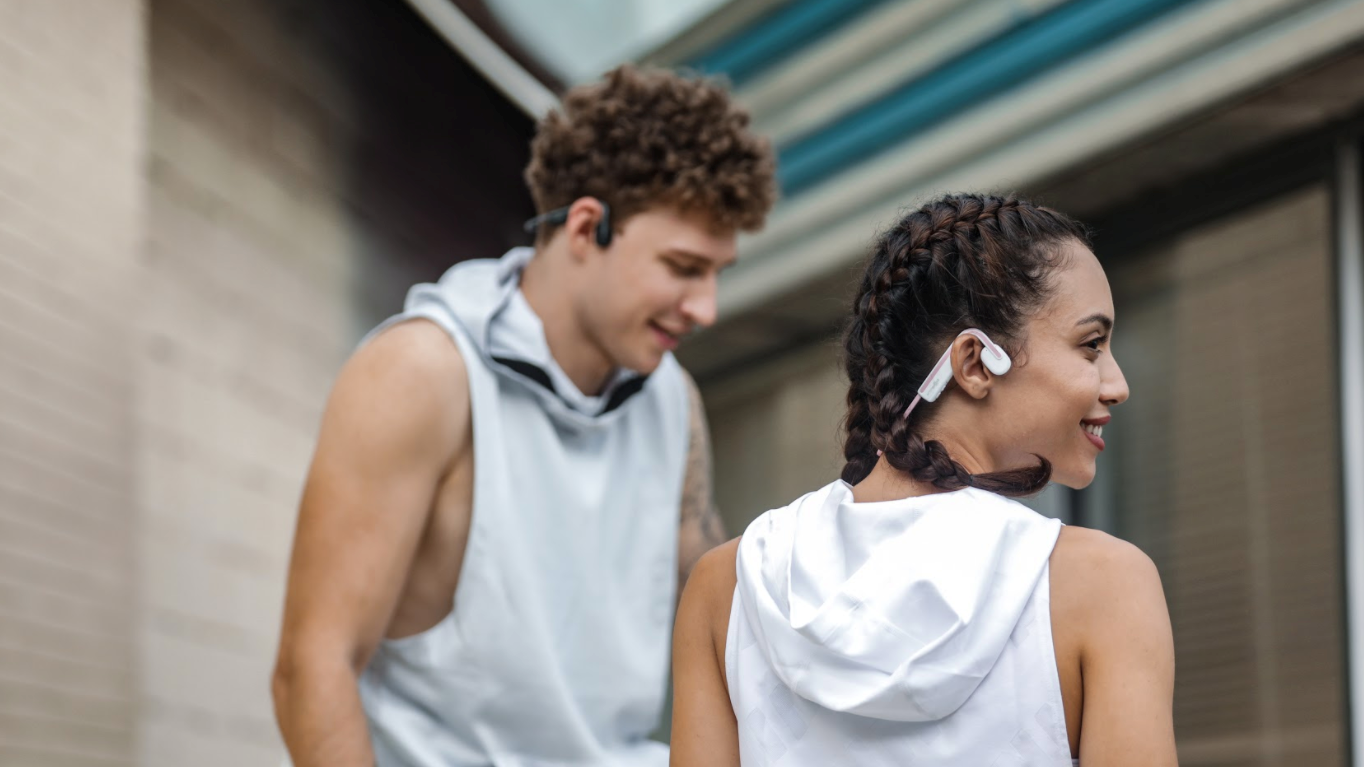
x=667, y=338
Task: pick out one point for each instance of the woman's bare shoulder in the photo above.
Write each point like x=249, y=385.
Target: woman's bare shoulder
x=714, y=577
x=1114, y=648
x=711, y=588
x=1099, y=581
x=1096, y=559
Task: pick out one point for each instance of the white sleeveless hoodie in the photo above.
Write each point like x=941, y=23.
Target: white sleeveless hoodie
x=908, y=632
x=556, y=649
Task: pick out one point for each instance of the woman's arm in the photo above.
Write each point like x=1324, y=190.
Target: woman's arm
x=1127, y=656
x=704, y=732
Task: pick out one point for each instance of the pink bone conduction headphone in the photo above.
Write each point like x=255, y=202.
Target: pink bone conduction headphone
x=994, y=357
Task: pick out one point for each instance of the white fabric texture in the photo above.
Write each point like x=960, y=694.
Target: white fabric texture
x=556, y=649
x=915, y=631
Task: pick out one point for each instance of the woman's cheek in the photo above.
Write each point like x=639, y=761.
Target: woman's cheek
x=1082, y=387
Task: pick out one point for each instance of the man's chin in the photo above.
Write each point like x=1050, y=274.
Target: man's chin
x=644, y=362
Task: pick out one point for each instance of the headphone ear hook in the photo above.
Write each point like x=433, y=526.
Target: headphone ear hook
x=995, y=359
x=603, y=232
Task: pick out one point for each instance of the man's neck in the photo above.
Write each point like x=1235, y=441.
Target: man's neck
x=548, y=290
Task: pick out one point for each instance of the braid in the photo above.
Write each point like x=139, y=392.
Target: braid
x=858, y=453
x=858, y=450
x=962, y=261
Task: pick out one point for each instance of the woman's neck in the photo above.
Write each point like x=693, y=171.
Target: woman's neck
x=887, y=483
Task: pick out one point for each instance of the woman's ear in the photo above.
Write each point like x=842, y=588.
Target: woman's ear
x=968, y=369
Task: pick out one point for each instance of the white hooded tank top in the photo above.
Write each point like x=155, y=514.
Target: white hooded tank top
x=915, y=631
x=556, y=649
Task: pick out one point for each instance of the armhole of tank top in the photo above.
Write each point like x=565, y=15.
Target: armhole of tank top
x=477, y=376
x=474, y=546
x=730, y=650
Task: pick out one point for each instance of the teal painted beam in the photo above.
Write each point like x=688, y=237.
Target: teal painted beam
x=1009, y=60
x=776, y=36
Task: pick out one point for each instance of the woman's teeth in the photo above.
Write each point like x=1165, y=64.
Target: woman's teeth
x=1097, y=431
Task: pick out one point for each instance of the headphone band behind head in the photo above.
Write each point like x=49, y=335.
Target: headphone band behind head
x=560, y=215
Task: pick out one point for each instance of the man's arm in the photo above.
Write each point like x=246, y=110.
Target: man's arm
x=397, y=418
x=700, y=528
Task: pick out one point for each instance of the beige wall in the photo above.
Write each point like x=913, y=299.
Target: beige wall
x=246, y=315
x=71, y=89
x=184, y=264
x=307, y=162
x=776, y=432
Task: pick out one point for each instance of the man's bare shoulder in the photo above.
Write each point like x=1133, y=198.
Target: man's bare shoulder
x=410, y=379
x=693, y=391
x=414, y=357
x=417, y=346
x=696, y=415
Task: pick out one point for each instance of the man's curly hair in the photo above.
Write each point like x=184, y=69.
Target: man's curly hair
x=644, y=138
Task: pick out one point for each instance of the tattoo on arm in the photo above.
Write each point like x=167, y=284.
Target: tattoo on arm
x=700, y=526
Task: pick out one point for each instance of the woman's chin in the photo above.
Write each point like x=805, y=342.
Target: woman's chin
x=1074, y=477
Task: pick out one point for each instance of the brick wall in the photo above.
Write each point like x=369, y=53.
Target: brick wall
x=71, y=88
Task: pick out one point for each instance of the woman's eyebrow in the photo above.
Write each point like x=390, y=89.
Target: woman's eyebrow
x=1102, y=319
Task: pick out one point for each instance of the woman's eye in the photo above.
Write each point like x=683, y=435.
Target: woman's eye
x=1095, y=344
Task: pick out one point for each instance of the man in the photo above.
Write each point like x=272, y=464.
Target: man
x=512, y=476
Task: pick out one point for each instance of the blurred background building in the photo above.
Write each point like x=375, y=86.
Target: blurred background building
x=203, y=205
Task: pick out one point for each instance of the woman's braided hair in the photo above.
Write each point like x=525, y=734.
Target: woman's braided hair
x=959, y=262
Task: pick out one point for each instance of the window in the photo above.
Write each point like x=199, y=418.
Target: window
x=1224, y=467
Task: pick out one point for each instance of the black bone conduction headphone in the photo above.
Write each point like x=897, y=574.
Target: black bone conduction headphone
x=560, y=215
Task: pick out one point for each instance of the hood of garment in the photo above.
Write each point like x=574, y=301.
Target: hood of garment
x=483, y=297
x=894, y=610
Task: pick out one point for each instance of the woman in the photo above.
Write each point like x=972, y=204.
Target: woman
x=910, y=613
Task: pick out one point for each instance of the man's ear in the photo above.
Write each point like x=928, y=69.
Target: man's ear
x=968, y=369
x=581, y=227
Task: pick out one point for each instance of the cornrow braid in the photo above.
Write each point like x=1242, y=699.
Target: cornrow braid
x=960, y=261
